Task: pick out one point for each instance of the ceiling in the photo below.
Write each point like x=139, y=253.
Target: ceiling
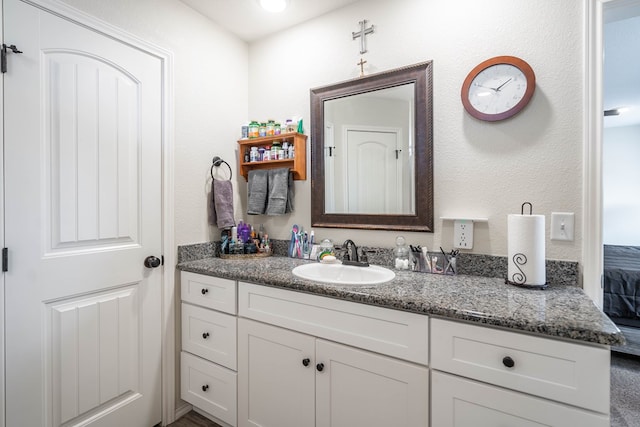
x=622, y=62
x=247, y=20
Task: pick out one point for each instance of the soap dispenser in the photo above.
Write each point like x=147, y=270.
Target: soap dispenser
x=401, y=254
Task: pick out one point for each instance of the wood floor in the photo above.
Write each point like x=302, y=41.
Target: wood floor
x=193, y=419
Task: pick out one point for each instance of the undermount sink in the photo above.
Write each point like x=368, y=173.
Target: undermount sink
x=344, y=274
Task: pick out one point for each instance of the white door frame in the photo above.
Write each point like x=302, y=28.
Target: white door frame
x=168, y=250
x=592, y=242
x=592, y=251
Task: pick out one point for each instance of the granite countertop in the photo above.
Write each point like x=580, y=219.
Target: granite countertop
x=559, y=311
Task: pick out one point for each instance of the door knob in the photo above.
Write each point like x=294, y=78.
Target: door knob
x=320, y=367
x=306, y=361
x=152, y=262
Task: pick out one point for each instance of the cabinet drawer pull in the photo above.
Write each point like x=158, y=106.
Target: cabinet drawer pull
x=204, y=291
x=205, y=387
x=306, y=361
x=320, y=367
x=508, y=362
x=205, y=335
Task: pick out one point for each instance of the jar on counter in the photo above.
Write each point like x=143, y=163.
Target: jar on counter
x=267, y=153
x=254, y=129
x=401, y=253
x=262, y=130
x=277, y=129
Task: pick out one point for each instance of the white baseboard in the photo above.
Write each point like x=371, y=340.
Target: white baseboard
x=183, y=410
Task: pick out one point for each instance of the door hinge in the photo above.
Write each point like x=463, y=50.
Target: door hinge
x=5, y=259
x=161, y=259
x=3, y=55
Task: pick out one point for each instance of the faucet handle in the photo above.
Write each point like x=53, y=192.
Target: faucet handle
x=362, y=256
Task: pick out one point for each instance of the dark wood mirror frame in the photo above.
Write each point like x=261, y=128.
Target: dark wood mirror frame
x=422, y=75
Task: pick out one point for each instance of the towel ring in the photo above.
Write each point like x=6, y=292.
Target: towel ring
x=217, y=161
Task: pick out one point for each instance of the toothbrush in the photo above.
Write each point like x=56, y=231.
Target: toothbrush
x=425, y=255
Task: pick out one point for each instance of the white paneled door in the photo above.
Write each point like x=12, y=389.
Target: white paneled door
x=83, y=210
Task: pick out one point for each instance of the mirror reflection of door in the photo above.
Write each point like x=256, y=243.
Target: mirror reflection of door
x=374, y=171
x=369, y=152
x=329, y=167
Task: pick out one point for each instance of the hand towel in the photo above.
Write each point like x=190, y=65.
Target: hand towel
x=257, y=191
x=279, y=189
x=222, y=204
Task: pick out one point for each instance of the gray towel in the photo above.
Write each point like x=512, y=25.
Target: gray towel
x=222, y=204
x=280, y=199
x=257, y=189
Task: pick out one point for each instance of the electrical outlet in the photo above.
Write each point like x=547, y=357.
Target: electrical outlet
x=463, y=234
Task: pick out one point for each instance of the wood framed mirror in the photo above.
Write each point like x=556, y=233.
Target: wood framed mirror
x=372, y=151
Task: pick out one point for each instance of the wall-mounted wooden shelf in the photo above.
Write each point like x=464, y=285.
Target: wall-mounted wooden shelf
x=298, y=164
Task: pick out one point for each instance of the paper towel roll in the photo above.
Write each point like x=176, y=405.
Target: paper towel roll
x=525, y=247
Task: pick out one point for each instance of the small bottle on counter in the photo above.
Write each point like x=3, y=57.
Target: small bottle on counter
x=277, y=129
x=267, y=153
x=292, y=152
x=260, y=154
x=247, y=156
x=401, y=253
x=262, y=130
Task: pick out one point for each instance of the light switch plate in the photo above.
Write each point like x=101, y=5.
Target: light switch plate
x=562, y=226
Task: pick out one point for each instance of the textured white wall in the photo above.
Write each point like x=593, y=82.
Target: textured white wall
x=621, y=185
x=481, y=169
x=211, y=94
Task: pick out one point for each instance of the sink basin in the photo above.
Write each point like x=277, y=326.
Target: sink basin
x=344, y=274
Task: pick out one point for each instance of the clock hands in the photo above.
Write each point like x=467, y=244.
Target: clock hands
x=495, y=89
x=500, y=87
x=485, y=87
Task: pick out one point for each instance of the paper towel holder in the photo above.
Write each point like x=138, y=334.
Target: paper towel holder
x=520, y=258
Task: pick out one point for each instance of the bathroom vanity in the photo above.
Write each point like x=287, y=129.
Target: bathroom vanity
x=261, y=347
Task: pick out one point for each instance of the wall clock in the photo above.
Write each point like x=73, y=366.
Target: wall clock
x=498, y=88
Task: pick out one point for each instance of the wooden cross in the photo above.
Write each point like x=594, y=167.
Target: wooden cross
x=361, y=64
x=362, y=34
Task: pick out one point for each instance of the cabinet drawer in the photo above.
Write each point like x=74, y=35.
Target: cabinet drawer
x=395, y=333
x=208, y=291
x=571, y=373
x=460, y=402
x=209, y=387
x=209, y=334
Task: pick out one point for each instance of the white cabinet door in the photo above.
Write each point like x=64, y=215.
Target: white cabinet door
x=360, y=388
x=461, y=402
x=275, y=388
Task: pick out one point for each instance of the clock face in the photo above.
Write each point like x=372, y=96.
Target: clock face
x=498, y=88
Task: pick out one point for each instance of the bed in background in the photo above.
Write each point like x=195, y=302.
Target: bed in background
x=622, y=284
